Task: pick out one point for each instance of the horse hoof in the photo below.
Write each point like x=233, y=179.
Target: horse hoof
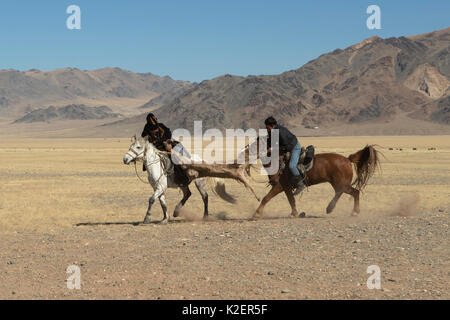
x=146, y=221
x=256, y=216
x=163, y=222
x=294, y=214
x=302, y=215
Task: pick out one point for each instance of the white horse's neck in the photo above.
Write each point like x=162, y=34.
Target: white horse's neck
x=154, y=164
x=152, y=156
x=151, y=152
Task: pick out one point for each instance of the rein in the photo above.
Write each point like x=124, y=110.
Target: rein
x=165, y=171
x=136, y=155
x=137, y=174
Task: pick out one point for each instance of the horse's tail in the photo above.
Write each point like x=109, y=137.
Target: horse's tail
x=220, y=190
x=365, y=161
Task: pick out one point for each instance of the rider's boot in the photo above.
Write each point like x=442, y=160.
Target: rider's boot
x=297, y=184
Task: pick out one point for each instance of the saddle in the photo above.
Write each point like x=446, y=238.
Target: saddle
x=305, y=161
x=179, y=175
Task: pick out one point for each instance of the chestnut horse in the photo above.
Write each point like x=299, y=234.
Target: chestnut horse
x=327, y=167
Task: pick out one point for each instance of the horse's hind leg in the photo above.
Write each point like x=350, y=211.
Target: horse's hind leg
x=291, y=199
x=201, y=187
x=186, y=194
x=333, y=202
x=355, y=194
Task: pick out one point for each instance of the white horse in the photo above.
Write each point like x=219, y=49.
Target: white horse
x=161, y=177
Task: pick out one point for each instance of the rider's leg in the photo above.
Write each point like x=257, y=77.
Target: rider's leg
x=293, y=162
x=297, y=179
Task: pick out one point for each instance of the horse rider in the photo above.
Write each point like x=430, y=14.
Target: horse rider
x=161, y=137
x=288, y=142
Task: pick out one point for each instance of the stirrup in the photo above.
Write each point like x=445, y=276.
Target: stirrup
x=299, y=188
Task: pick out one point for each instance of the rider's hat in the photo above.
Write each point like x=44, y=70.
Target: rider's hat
x=151, y=119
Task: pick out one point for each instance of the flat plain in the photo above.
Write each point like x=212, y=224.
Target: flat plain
x=72, y=202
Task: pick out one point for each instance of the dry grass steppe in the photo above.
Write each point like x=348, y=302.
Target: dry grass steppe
x=72, y=201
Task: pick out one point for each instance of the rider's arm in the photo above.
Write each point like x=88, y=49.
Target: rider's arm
x=167, y=132
x=168, y=147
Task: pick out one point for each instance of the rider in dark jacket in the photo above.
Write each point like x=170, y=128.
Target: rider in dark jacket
x=288, y=142
x=161, y=137
x=157, y=132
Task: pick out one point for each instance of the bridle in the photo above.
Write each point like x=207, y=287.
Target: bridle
x=136, y=155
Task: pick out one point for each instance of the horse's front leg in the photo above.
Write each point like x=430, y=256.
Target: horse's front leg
x=158, y=192
x=162, y=201
x=291, y=199
x=276, y=189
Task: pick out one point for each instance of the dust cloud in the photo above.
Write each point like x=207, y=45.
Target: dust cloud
x=406, y=206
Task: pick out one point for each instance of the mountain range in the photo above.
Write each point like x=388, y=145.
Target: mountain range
x=378, y=86
x=376, y=80
x=22, y=92
x=70, y=112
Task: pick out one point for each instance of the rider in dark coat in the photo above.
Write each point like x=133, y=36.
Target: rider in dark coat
x=157, y=132
x=161, y=137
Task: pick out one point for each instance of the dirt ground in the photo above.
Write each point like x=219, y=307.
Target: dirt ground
x=72, y=202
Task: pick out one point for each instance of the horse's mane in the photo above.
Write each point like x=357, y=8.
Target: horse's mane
x=149, y=145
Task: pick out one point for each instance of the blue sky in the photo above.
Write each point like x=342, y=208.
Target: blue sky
x=196, y=40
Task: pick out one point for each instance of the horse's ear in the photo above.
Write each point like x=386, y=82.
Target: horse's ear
x=133, y=139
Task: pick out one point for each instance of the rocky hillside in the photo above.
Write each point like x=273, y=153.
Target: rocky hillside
x=167, y=97
x=22, y=92
x=70, y=112
x=375, y=80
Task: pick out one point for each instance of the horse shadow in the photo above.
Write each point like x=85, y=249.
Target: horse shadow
x=93, y=224
x=124, y=223
x=181, y=220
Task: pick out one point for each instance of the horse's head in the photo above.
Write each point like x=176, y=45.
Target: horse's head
x=136, y=151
